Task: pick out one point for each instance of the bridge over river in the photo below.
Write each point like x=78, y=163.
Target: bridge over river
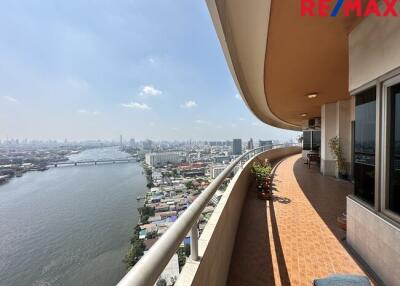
x=93, y=162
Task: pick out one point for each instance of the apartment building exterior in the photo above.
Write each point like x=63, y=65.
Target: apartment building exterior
x=159, y=159
x=296, y=67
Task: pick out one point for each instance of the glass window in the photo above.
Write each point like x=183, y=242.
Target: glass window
x=364, y=145
x=307, y=140
x=394, y=159
x=316, y=140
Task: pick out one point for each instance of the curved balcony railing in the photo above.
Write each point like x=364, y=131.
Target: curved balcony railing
x=152, y=264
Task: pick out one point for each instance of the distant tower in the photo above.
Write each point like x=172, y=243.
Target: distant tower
x=120, y=141
x=237, y=147
x=250, y=144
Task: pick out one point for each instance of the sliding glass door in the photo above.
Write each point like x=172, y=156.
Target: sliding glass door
x=393, y=200
x=364, y=145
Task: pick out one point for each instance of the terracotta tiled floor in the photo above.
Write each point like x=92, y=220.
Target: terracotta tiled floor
x=293, y=239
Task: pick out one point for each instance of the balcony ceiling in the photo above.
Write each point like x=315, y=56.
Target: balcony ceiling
x=277, y=57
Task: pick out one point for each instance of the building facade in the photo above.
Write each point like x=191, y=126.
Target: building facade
x=160, y=159
x=331, y=77
x=237, y=146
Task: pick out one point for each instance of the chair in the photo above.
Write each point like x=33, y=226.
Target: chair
x=343, y=280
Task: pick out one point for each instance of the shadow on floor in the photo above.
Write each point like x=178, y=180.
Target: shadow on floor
x=327, y=195
x=252, y=262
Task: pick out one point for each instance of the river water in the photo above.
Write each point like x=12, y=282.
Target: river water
x=69, y=225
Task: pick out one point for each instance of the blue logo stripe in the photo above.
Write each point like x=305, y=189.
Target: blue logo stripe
x=335, y=10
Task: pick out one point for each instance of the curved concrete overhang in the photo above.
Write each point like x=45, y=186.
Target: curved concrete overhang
x=242, y=29
x=277, y=57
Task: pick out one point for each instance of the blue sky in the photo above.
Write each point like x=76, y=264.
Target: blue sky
x=83, y=69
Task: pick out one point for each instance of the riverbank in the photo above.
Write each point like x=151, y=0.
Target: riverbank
x=69, y=226
x=168, y=195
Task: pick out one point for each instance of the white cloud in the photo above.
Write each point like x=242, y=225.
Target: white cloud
x=77, y=83
x=189, y=104
x=84, y=111
x=152, y=124
x=151, y=60
x=241, y=119
x=150, y=91
x=255, y=123
x=136, y=105
x=237, y=96
x=10, y=98
x=200, y=121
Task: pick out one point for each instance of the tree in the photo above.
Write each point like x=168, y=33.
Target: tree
x=189, y=185
x=181, y=257
x=135, y=252
x=145, y=213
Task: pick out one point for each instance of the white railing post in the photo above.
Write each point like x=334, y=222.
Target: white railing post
x=194, y=243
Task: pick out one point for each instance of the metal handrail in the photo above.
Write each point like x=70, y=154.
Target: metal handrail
x=148, y=269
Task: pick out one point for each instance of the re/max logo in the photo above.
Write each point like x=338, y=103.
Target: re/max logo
x=324, y=8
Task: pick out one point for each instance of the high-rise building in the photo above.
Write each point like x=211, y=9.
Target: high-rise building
x=237, y=147
x=147, y=145
x=250, y=144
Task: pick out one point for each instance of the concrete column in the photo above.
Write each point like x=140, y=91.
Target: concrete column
x=335, y=121
x=328, y=131
x=343, y=129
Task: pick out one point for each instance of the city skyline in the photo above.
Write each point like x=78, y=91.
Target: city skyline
x=141, y=69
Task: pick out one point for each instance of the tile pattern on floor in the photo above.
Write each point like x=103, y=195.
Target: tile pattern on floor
x=294, y=238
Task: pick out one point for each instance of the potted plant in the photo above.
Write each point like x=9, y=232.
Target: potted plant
x=262, y=175
x=336, y=149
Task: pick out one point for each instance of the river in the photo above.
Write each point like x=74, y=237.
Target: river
x=69, y=225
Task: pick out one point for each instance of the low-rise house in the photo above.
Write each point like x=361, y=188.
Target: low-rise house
x=150, y=227
x=142, y=234
x=166, y=214
x=154, y=218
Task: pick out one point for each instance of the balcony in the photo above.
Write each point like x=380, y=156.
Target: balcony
x=290, y=240
x=294, y=238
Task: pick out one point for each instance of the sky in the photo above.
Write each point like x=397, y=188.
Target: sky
x=85, y=70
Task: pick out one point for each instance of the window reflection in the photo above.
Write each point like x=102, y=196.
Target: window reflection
x=364, y=145
x=394, y=182
x=307, y=140
x=311, y=140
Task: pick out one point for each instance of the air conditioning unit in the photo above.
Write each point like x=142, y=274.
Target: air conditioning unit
x=314, y=123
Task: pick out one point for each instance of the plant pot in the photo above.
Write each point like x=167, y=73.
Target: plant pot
x=264, y=195
x=342, y=176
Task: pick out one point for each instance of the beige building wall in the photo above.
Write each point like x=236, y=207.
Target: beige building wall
x=374, y=50
x=376, y=240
